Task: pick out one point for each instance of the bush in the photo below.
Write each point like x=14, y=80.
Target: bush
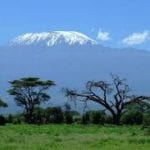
x=95, y=117
x=132, y=117
x=108, y=119
x=2, y=120
x=54, y=115
x=146, y=119
x=68, y=118
x=39, y=115
x=86, y=118
x=15, y=118
x=10, y=118
x=77, y=119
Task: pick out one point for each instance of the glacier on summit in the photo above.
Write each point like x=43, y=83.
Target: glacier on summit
x=53, y=38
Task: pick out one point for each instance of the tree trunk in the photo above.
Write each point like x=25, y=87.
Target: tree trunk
x=29, y=116
x=116, y=119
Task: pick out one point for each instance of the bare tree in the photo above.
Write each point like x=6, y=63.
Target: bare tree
x=114, y=97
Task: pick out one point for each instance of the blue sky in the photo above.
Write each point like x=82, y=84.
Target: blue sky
x=118, y=23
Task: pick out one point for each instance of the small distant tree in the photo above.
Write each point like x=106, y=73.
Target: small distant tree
x=2, y=118
x=113, y=96
x=2, y=103
x=29, y=93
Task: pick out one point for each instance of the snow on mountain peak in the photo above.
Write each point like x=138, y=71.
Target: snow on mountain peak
x=53, y=38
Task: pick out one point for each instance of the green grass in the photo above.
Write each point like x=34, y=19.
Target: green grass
x=73, y=137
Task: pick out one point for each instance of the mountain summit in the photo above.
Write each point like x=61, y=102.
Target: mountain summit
x=53, y=38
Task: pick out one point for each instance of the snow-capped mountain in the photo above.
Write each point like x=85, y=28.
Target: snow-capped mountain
x=53, y=38
x=70, y=59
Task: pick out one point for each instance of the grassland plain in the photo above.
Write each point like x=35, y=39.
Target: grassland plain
x=73, y=137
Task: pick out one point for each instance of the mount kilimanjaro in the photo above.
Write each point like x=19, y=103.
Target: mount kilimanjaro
x=70, y=59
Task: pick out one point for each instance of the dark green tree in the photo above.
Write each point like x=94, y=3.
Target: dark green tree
x=29, y=93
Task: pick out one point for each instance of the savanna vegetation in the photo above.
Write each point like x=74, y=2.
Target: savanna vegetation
x=122, y=121
x=73, y=137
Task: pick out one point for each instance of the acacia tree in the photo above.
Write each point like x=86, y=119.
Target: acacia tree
x=113, y=96
x=30, y=92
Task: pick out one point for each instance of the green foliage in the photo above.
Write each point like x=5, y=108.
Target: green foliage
x=68, y=118
x=15, y=118
x=54, y=115
x=68, y=115
x=74, y=113
x=108, y=119
x=95, y=117
x=31, y=89
x=2, y=120
x=85, y=118
x=135, y=113
x=10, y=118
x=132, y=117
x=77, y=119
x=146, y=119
x=39, y=116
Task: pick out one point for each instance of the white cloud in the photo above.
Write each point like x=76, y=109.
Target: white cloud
x=103, y=36
x=136, y=38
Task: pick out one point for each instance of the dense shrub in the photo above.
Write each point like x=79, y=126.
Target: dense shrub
x=85, y=118
x=146, y=119
x=39, y=116
x=15, y=118
x=132, y=117
x=68, y=118
x=2, y=120
x=54, y=115
x=95, y=117
x=10, y=118
x=108, y=119
x=77, y=119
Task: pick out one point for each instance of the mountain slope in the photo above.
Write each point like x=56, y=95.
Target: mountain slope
x=73, y=65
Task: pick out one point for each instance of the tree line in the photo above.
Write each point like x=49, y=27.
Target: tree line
x=117, y=104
